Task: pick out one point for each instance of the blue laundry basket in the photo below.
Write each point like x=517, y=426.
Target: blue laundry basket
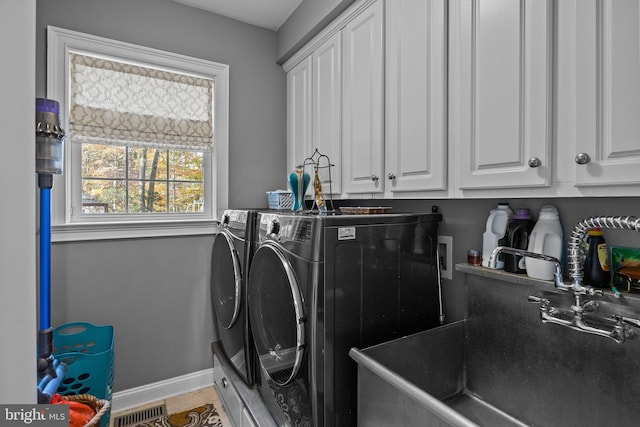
x=87, y=350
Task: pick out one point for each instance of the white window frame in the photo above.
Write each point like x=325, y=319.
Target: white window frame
x=67, y=188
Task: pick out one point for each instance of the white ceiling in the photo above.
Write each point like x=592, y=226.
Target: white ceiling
x=269, y=14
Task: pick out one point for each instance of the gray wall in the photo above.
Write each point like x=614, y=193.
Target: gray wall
x=304, y=23
x=18, y=215
x=155, y=291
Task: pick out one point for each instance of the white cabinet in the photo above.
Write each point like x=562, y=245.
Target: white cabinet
x=334, y=101
x=500, y=92
x=299, y=113
x=415, y=96
x=472, y=98
x=314, y=92
x=607, y=92
x=327, y=111
x=363, y=109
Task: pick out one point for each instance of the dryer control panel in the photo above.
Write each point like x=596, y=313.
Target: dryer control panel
x=287, y=228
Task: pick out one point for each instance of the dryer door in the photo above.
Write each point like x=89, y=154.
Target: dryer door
x=226, y=280
x=276, y=314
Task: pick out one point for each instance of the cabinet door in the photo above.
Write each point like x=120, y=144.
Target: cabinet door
x=327, y=111
x=501, y=100
x=362, y=117
x=607, y=92
x=416, y=88
x=299, y=107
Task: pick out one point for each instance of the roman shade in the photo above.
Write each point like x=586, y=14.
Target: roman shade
x=118, y=103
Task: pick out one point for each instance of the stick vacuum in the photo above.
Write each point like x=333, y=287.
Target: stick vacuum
x=49, y=160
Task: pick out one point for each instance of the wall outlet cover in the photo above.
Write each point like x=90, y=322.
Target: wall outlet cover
x=445, y=253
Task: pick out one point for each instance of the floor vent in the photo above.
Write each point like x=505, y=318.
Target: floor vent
x=140, y=416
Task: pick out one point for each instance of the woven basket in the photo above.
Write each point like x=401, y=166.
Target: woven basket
x=101, y=406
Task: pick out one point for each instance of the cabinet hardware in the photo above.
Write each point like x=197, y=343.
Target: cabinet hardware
x=534, y=162
x=582, y=158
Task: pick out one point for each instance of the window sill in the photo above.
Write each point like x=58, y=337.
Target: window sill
x=131, y=230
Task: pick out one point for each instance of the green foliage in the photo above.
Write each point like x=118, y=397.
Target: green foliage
x=141, y=180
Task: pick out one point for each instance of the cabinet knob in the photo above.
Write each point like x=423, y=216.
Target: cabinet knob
x=374, y=177
x=534, y=162
x=582, y=158
x=225, y=383
x=391, y=176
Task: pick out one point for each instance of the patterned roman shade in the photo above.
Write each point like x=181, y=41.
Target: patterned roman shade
x=123, y=104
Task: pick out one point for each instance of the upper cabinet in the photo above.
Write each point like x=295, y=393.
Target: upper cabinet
x=299, y=114
x=327, y=108
x=472, y=98
x=415, y=96
x=335, y=103
x=363, y=109
x=500, y=92
x=607, y=92
x=314, y=91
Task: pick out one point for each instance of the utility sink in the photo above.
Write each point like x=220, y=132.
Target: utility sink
x=399, y=383
x=502, y=366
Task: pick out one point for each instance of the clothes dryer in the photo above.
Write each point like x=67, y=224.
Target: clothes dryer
x=319, y=285
x=233, y=249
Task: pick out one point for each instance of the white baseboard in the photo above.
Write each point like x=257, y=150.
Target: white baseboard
x=149, y=393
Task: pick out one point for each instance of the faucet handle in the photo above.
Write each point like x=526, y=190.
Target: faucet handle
x=579, y=289
x=590, y=306
x=537, y=300
x=626, y=320
x=545, y=305
x=622, y=331
x=593, y=291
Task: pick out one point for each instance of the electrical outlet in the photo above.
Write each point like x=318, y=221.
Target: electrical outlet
x=445, y=252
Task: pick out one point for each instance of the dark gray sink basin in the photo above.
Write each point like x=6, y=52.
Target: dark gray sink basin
x=503, y=367
x=401, y=384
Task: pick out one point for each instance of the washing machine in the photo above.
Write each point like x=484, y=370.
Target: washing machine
x=233, y=249
x=319, y=285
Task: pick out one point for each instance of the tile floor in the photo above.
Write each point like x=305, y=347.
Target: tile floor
x=183, y=402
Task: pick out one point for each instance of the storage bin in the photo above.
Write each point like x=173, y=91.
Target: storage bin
x=280, y=199
x=87, y=350
x=101, y=406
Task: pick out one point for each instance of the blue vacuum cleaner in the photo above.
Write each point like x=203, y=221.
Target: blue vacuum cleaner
x=49, y=160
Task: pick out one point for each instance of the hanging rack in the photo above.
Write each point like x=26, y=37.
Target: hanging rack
x=321, y=161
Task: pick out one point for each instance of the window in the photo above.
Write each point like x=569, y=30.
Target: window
x=146, y=151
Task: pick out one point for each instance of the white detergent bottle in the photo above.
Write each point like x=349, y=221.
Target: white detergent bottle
x=546, y=238
x=496, y=230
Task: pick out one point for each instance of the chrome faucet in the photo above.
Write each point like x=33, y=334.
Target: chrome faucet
x=557, y=275
x=620, y=333
x=621, y=330
x=575, y=247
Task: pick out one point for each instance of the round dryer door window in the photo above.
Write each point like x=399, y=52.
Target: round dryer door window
x=226, y=280
x=276, y=314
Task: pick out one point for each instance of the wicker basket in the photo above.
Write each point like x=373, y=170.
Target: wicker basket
x=101, y=406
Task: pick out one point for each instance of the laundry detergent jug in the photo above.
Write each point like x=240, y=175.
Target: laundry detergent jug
x=546, y=238
x=495, y=230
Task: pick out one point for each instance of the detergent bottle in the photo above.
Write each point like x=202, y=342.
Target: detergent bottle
x=495, y=230
x=546, y=238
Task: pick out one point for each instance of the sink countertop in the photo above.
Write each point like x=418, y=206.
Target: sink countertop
x=523, y=279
